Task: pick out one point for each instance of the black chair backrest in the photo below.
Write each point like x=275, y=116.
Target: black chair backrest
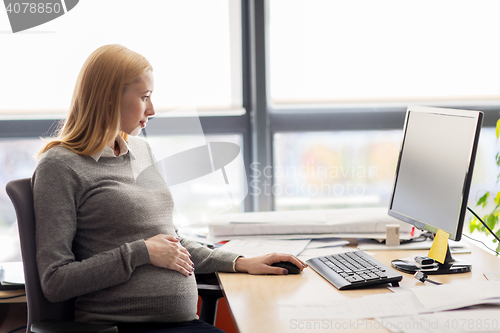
x=39, y=308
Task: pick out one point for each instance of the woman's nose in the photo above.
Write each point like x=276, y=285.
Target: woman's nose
x=150, y=111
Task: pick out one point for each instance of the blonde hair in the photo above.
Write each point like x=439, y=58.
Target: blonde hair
x=94, y=116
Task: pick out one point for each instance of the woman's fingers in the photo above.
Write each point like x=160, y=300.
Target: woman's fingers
x=184, y=268
x=187, y=259
x=186, y=262
x=262, y=264
x=278, y=257
x=184, y=250
x=273, y=270
x=294, y=260
x=170, y=238
x=166, y=251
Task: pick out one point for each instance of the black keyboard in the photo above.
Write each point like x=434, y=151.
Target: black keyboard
x=355, y=269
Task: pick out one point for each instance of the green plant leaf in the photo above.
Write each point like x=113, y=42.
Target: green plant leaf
x=491, y=221
x=483, y=200
x=473, y=225
x=498, y=248
x=498, y=128
x=481, y=227
x=497, y=158
x=497, y=199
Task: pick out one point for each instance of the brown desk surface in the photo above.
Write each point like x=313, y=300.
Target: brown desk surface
x=253, y=299
x=11, y=293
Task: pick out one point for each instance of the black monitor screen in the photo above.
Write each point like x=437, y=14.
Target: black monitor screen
x=435, y=167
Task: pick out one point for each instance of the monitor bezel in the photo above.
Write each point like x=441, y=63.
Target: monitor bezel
x=478, y=116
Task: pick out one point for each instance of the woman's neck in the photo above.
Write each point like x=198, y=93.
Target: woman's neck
x=116, y=148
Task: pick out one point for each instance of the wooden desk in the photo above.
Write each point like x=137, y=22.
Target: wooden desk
x=253, y=299
x=13, y=311
x=12, y=293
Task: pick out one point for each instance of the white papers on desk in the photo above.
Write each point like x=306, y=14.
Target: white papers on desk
x=462, y=321
x=298, y=247
x=373, y=306
x=415, y=301
x=11, y=273
x=291, y=236
x=323, y=247
x=492, y=276
x=257, y=247
x=324, y=251
x=322, y=243
x=454, y=296
x=341, y=221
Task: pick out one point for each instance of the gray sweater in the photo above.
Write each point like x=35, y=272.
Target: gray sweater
x=92, y=220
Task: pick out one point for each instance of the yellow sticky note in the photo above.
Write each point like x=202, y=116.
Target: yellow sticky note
x=439, y=246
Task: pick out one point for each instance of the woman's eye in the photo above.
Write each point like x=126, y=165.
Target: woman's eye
x=145, y=98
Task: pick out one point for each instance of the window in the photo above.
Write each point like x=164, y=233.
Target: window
x=199, y=199
x=194, y=47
x=334, y=169
x=366, y=53
x=324, y=170
x=17, y=160
x=341, y=75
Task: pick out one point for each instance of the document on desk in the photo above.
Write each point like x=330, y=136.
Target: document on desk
x=257, y=247
x=11, y=274
x=373, y=306
x=290, y=236
x=462, y=321
x=413, y=302
x=326, y=243
x=454, y=296
x=340, y=221
x=323, y=247
x=313, y=253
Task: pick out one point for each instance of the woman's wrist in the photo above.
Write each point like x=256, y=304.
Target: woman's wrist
x=240, y=265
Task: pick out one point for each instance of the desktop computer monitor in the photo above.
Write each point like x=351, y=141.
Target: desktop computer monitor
x=433, y=175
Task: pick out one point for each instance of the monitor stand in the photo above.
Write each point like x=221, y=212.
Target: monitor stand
x=450, y=266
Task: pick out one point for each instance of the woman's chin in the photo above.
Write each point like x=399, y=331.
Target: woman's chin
x=136, y=131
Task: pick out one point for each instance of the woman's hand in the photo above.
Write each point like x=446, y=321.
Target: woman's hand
x=165, y=251
x=262, y=264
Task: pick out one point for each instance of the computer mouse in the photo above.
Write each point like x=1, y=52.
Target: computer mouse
x=290, y=267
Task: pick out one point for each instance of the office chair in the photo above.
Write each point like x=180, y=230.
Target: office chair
x=49, y=317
